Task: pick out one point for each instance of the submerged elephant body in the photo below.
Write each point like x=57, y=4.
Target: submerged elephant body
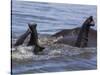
x=70, y=36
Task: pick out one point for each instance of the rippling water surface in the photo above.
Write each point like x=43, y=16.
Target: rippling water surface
x=51, y=18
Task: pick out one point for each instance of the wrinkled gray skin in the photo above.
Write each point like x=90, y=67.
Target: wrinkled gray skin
x=79, y=37
x=33, y=35
x=33, y=39
x=22, y=38
x=82, y=39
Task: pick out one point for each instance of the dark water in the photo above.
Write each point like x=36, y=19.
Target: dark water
x=51, y=18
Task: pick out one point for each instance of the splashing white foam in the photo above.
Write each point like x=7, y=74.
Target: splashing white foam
x=51, y=51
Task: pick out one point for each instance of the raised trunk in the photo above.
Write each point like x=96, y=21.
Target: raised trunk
x=22, y=38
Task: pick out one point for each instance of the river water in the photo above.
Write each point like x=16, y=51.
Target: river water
x=51, y=18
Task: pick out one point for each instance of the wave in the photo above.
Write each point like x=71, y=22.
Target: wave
x=35, y=16
x=52, y=50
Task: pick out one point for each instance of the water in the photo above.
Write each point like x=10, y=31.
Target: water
x=51, y=18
